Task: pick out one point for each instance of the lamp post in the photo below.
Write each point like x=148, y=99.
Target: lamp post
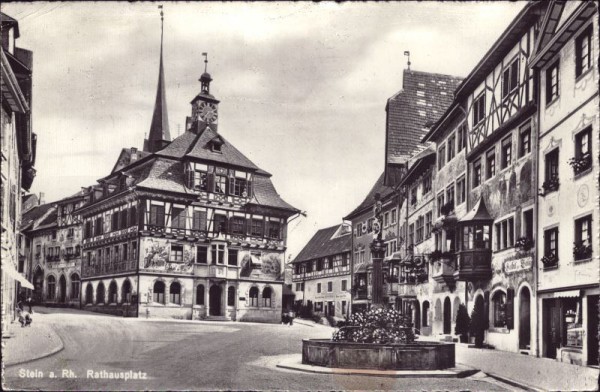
x=377, y=253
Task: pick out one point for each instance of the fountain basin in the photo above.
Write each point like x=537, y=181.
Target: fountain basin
x=411, y=356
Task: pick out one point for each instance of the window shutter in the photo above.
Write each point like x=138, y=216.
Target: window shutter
x=210, y=182
x=510, y=313
x=190, y=178
x=486, y=310
x=249, y=188
x=231, y=185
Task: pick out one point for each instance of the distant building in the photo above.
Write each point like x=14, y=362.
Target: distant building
x=321, y=272
x=17, y=158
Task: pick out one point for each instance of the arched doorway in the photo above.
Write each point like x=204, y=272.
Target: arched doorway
x=417, y=316
x=112, y=292
x=425, y=322
x=525, y=319
x=89, y=294
x=100, y=293
x=62, y=289
x=447, y=316
x=126, y=291
x=215, y=300
x=38, y=284
x=478, y=323
x=51, y=288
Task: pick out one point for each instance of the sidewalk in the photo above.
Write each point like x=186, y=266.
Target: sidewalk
x=30, y=343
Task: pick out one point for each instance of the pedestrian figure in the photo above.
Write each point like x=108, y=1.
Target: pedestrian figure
x=29, y=303
x=24, y=318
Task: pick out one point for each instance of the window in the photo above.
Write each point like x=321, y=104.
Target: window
x=344, y=285
x=274, y=230
x=298, y=287
x=393, y=216
x=200, y=295
x=462, y=138
x=386, y=219
x=528, y=224
x=450, y=197
x=237, y=225
x=238, y=186
x=319, y=265
x=420, y=224
x=157, y=215
x=330, y=263
x=220, y=184
x=220, y=223
x=499, y=309
x=413, y=196
x=551, y=246
x=125, y=255
x=176, y=254
x=411, y=234
x=479, y=109
x=461, y=192
x=440, y=203
x=114, y=221
x=134, y=250
x=175, y=293
x=200, y=180
x=426, y=183
x=510, y=78
x=551, y=181
x=158, y=292
x=552, y=83
x=506, y=152
x=309, y=267
x=343, y=307
x=254, y=296
x=178, y=218
x=133, y=216
x=441, y=156
x=475, y=236
x=477, y=173
x=525, y=140
x=583, y=238
x=218, y=253
x=329, y=287
x=451, y=146
x=490, y=164
x=583, y=151
x=232, y=257
x=583, y=48
x=345, y=260
x=266, y=295
x=70, y=232
x=51, y=287
x=428, y=218
x=318, y=287
x=123, y=218
x=257, y=228
x=231, y=296
x=199, y=221
x=505, y=232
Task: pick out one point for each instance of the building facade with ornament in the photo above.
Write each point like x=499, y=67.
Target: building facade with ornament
x=566, y=60
x=17, y=159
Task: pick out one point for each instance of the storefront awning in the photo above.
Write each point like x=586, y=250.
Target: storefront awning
x=10, y=270
x=361, y=268
x=567, y=294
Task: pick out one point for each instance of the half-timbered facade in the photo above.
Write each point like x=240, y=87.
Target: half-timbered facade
x=321, y=272
x=566, y=59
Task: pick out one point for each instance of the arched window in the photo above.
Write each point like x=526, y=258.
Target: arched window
x=159, y=292
x=267, y=297
x=75, y=285
x=499, y=309
x=126, y=291
x=112, y=292
x=100, y=293
x=231, y=296
x=175, y=293
x=89, y=294
x=200, y=294
x=425, y=322
x=254, y=296
x=51, y=287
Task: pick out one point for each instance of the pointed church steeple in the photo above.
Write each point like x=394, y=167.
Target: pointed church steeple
x=159, y=135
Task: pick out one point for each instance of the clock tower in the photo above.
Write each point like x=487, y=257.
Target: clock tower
x=205, y=106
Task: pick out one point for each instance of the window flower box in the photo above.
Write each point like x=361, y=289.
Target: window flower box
x=582, y=251
x=550, y=260
x=447, y=208
x=581, y=163
x=524, y=243
x=550, y=185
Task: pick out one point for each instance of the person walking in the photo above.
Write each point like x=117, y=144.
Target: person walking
x=29, y=303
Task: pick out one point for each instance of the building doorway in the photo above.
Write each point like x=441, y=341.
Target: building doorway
x=447, y=316
x=38, y=284
x=552, y=327
x=525, y=319
x=417, y=316
x=592, y=327
x=62, y=289
x=215, y=300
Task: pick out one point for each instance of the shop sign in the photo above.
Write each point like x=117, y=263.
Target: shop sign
x=512, y=266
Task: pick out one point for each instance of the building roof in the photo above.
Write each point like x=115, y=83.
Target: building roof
x=30, y=217
x=423, y=99
x=378, y=187
x=159, y=128
x=162, y=175
x=322, y=244
x=266, y=195
x=125, y=158
x=421, y=162
x=479, y=213
x=8, y=21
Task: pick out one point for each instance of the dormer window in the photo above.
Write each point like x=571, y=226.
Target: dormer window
x=216, y=147
x=216, y=143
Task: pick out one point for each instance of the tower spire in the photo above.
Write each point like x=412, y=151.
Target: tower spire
x=159, y=135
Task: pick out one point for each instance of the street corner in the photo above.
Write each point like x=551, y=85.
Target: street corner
x=26, y=344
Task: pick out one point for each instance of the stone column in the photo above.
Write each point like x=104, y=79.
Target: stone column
x=377, y=253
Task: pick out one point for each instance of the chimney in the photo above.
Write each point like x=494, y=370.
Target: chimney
x=41, y=199
x=134, y=155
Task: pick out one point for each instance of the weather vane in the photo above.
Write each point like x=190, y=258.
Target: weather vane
x=407, y=54
x=205, y=54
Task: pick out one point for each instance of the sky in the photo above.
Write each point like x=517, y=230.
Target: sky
x=303, y=86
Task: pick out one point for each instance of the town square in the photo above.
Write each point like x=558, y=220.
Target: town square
x=300, y=195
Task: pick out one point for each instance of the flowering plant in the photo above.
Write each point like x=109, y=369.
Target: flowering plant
x=550, y=260
x=524, y=243
x=551, y=185
x=377, y=325
x=581, y=250
x=582, y=163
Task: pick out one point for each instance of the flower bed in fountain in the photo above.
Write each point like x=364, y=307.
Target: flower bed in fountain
x=378, y=339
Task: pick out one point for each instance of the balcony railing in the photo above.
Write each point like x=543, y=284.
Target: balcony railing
x=475, y=264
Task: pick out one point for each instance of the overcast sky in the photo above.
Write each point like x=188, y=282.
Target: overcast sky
x=303, y=86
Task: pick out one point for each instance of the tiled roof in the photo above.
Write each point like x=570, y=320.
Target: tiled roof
x=30, y=217
x=423, y=99
x=50, y=219
x=380, y=188
x=322, y=245
x=199, y=146
x=125, y=158
x=161, y=174
x=265, y=194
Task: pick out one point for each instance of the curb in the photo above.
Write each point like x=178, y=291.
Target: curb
x=514, y=383
x=56, y=350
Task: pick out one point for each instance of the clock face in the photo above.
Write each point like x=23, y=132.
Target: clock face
x=207, y=112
